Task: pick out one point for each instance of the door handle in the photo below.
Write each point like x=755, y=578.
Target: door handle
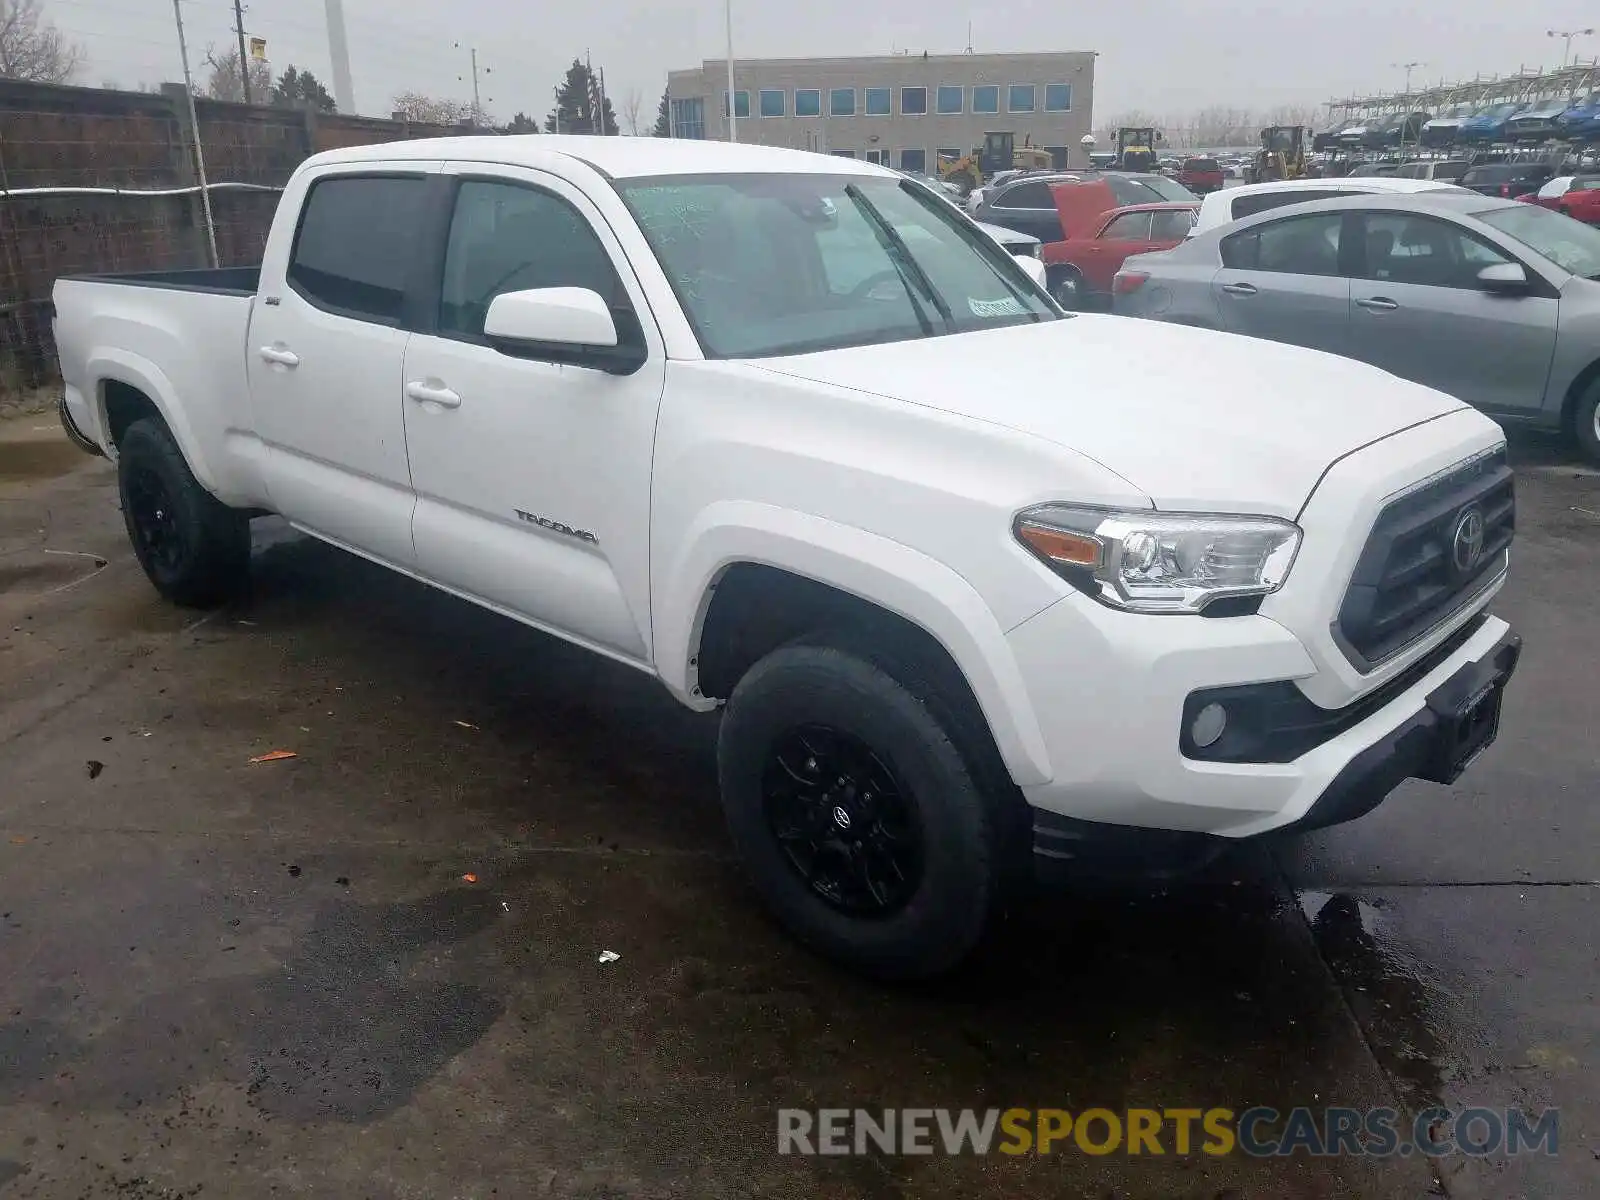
x=280, y=355
x=1378, y=304
x=428, y=394
x=1239, y=289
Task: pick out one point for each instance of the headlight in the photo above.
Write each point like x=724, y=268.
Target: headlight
x=1152, y=562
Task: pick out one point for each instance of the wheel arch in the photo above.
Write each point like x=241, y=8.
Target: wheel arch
x=127, y=386
x=1585, y=379
x=762, y=572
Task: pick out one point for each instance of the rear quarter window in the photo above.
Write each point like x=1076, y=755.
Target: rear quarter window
x=1248, y=206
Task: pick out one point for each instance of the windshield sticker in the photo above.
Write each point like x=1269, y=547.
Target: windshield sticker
x=1008, y=307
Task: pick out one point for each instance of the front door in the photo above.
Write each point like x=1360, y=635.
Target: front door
x=324, y=354
x=533, y=477
x=1283, y=280
x=1419, y=312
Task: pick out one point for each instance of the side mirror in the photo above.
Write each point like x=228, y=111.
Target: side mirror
x=1032, y=267
x=1506, y=279
x=561, y=324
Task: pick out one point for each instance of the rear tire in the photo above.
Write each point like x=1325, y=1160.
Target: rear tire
x=1586, y=422
x=193, y=548
x=819, y=745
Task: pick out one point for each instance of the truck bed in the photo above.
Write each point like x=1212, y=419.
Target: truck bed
x=227, y=281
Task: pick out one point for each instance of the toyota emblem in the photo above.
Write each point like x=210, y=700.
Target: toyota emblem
x=1466, y=544
x=841, y=818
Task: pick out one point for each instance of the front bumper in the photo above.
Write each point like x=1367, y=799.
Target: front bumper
x=1111, y=710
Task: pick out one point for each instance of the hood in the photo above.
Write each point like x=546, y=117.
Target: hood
x=1080, y=206
x=1196, y=420
x=1007, y=237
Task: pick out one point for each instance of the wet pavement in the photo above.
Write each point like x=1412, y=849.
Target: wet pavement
x=372, y=969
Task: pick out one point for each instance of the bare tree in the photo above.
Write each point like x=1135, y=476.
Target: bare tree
x=224, y=83
x=430, y=110
x=632, y=103
x=1133, y=118
x=1308, y=115
x=33, y=49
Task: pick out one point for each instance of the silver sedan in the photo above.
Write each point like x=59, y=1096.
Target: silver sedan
x=1493, y=301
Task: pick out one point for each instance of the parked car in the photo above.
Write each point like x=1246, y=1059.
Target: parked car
x=1022, y=245
x=767, y=426
x=1489, y=124
x=1550, y=193
x=1536, y=123
x=1026, y=204
x=1442, y=130
x=1443, y=170
x=1507, y=180
x=1581, y=120
x=1491, y=300
x=1221, y=207
x=1201, y=175
x=1581, y=200
x=1079, y=269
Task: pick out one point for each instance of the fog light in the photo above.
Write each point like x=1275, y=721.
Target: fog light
x=1208, y=725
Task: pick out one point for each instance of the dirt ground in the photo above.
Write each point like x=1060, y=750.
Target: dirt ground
x=372, y=970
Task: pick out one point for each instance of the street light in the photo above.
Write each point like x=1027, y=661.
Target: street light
x=733, y=100
x=1407, y=68
x=1567, y=35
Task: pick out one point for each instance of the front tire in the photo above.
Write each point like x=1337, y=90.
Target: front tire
x=1586, y=422
x=193, y=548
x=859, y=819
x=1067, y=288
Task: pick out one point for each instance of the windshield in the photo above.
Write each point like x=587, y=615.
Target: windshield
x=1569, y=244
x=770, y=264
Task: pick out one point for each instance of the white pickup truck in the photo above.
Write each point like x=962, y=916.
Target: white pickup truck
x=980, y=586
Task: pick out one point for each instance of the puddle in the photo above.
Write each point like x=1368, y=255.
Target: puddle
x=45, y=458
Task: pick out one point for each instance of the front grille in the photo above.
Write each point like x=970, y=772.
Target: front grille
x=1417, y=568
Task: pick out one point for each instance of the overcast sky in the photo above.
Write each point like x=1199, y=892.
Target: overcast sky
x=1161, y=55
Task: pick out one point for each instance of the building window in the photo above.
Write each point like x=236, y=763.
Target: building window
x=1058, y=97
x=986, y=98
x=946, y=155
x=874, y=156
x=952, y=98
x=741, y=104
x=842, y=102
x=877, y=102
x=913, y=102
x=914, y=160
x=1058, y=156
x=843, y=153
x=774, y=102
x=689, y=118
x=807, y=102
x=1021, y=98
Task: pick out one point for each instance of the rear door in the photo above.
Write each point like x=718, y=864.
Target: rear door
x=1027, y=207
x=326, y=342
x=1418, y=311
x=1285, y=280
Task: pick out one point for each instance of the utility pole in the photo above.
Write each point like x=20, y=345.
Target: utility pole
x=194, y=129
x=733, y=100
x=602, y=78
x=1567, y=35
x=244, y=59
x=477, y=98
x=339, y=51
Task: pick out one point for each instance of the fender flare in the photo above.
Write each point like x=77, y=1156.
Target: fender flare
x=108, y=363
x=876, y=569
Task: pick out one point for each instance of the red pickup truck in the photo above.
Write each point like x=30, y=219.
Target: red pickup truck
x=1201, y=175
x=1079, y=270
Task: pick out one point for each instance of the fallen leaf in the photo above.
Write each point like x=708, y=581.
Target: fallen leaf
x=469, y=877
x=19, y=840
x=466, y=725
x=274, y=756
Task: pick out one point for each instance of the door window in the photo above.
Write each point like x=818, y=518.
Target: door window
x=1026, y=195
x=1172, y=225
x=1295, y=246
x=505, y=238
x=1401, y=248
x=357, y=238
x=1129, y=227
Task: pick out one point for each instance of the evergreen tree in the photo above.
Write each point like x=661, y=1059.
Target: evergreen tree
x=298, y=89
x=663, y=118
x=521, y=123
x=578, y=108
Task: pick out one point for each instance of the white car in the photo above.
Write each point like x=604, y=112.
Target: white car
x=1230, y=204
x=977, y=585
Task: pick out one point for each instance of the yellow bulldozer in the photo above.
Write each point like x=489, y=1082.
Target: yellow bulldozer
x=1282, y=154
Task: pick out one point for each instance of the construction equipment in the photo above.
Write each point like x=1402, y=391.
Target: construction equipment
x=1136, y=148
x=999, y=152
x=1282, y=154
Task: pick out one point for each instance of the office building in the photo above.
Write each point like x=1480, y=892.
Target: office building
x=903, y=110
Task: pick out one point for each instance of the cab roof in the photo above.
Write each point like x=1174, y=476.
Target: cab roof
x=617, y=157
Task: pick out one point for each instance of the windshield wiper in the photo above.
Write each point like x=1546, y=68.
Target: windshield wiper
x=911, y=272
